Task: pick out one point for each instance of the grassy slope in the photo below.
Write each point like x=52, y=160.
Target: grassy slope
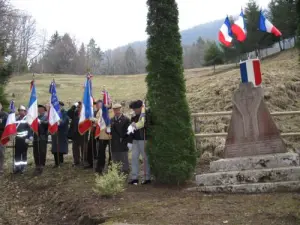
x=62, y=196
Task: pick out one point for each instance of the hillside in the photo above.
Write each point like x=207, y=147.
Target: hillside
x=208, y=31
x=64, y=196
x=205, y=91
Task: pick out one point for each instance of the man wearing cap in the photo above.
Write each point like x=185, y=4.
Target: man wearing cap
x=40, y=140
x=24, y=136
x=138, y=136
x=119, y=142
x=60, y=139
x=73, y=134
x=3, y=118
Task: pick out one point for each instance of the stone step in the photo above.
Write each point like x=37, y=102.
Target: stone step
x=249, y=176
x=256, y=162
x=286, y=186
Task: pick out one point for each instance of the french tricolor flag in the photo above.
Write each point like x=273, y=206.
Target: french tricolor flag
x=250, y=72
x=86, y=113
x=225, y=33
x=266, y=26
x=10, y=127
x=32, y=113
x=104, y=120
x=54, y=111
x=239, y=28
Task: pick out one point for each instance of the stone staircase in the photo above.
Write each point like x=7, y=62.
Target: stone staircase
x=252, y=174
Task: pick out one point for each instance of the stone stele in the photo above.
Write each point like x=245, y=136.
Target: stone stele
x=252, y=130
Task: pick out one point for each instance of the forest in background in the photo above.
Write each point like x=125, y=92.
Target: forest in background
x=27, y=49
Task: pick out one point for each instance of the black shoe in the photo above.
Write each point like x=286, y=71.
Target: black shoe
x=134, y=182
x=146, y=182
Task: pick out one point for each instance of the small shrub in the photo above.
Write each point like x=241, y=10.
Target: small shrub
x=111, y=183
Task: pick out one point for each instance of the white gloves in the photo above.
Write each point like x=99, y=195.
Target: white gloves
x=130, y=129
x=108, y=130
x=31, y=138
x=75, y=104
x=26, y=141
x=129, y=145
x=39, y=121
x=93, y=119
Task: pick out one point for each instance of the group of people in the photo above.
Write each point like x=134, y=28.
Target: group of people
x=123, y=135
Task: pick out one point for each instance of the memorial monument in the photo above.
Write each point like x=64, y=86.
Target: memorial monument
x=256, y=159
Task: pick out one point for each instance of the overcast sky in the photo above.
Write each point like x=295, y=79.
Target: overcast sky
x=113, y=23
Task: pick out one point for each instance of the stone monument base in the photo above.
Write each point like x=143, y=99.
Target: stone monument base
x=252, y=174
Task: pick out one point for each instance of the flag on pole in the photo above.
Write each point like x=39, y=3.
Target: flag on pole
x=266, y=26
x=225, y=33
x=54, y=112
x=86, y=113
x=104, y=120
x=141, y=123
x=10, y=127
x=32, y=114
x=250, y=72
x=239, y=28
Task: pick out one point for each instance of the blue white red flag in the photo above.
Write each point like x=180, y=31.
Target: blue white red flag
x=266, y=26
x=225, y=33
x=32, y=113
x=54, y=111
x=10, y=127
x=239, y=28
x=250, y=72
x=86, y=113
x=105, y=109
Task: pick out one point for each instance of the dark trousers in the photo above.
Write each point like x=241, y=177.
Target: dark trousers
x=39, y=153
x=20, y=153
x=101, y=156
x=77, y=149
x=59, y=159
x=91, y=151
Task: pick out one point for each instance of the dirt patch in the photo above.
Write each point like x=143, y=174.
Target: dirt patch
x=64, y=196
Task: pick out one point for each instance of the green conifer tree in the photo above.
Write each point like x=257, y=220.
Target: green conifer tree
x=171, y=147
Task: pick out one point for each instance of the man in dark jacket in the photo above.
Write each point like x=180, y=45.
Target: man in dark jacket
x=60, y=139
x=74, y=135
x=3, y=118
x=24, y=136
x=138, y=122
x=40, y=141
x=119, y=142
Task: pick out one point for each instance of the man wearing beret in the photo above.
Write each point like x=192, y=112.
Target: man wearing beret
x=119, y=142
x=60, y=139
x=138, y=135
x=40, y=140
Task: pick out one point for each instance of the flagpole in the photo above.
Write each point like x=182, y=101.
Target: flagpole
x=14, y=153
x=57, y=138
x=37, y=134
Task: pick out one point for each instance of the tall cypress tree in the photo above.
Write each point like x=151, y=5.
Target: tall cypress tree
x=171, y=147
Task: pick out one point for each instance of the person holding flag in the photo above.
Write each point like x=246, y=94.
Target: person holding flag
x=86, y=115
x=137, y=131
x=24, y=136
x=10, y=127
x=58, y=127
x=103, y=116
x=3, y=118
x=38, y=121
